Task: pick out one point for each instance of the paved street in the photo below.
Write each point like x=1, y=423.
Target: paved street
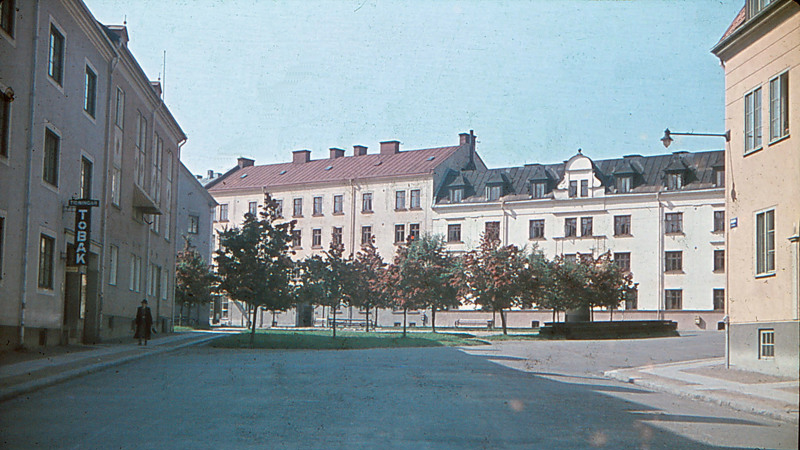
x=429, y=398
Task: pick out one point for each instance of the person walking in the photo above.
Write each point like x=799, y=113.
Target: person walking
x=144, y=321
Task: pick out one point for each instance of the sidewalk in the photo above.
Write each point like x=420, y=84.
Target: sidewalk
x=27, y=376
x=709, y=380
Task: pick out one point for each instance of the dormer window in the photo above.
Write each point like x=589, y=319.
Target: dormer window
x=674, y=181
x=573, y=189
x=538, y=189
x=493, y=193
x=719, y=177
x=584, y=188
x=456, y=195
x=624, y=184
x=756, y=6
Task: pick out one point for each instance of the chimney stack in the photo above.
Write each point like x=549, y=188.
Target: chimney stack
x=390, y=147
x=301, y=156
x=245, y=162
x=210, y=174
x=359, y=150
x=463, y=138
x=336, y=153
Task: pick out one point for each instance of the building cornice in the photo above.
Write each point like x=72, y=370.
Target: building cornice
x=305, y=186
x=754, y=28
x=86, y=21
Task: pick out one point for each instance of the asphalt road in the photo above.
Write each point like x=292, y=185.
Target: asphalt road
x=428, y=398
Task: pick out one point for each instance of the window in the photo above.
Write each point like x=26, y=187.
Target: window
x=779, y=106
x=719, y=177
x=7, y=13
x=571, y=258
x=336, y=235
x=141, y=141
x=623, y=261
x=399, y=233
x=719, y=221
x=223, y=212
x=154, y=280
x=297, y=210
x=624, y=184
x=673, y=223
x=570, y=227
x=136, y=274
x=5, y=122
x=400, y=200
x=755, y=6
x=454, y=232
x=279, y=208
x=492, y=230
x=155, y=223
x=252, y=208
x=316, y=208
x=2, y=234
x=456, y=195
x=415, y=199
x=86, y=178
x=55, y=62
x=119, y=111
x=366, y=235
x=573, y=189
x=673, y=261
x=113, y=264
x=673, y=299
x=674, y=181
x=493, y=193
x=584, y=188
x=536, y=229
x=52, y=144
x=316, y=237
x=90, y=92
x=116, y=174
x=366, y=202
x=538, y=189
x=586, y=226
x=47, y=246
x=632, y=299
x=622, y=225
x=719, y=299
x=413, y=230
x=338, y=201
x=765, y=242
x=766, y=343
x=752, y=121
x=719, y=260
x=156, y=160
x=194, y=224
x=297, y=238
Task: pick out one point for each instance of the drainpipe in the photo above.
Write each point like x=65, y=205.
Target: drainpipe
x=353, y=216
x=505, y=222
x=28, y=178
x=104, y=217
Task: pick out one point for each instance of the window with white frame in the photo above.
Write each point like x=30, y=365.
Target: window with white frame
x=538, y=189
x=223, y=212
x=141, y=145
x=719, y=177
x=456, y=195
x=119, y=109
x=297, y=207
x=765, y=242
x=116, y=174
x=113, y=264
x=47, y=248
x=336, y=235
x=623, y=261
x=317, y=206
x=570, y=227
x=156, y=155
x=297, y=238
x=55, y=60
x=719, y=299
x=766, y=343
x=279, y=208
x=399, y=233
x=624, y=184
x=536, y=229
x=135, y=273
x=86, y=178
x=752, y=120
x=674, y=181
x=494, y=192
x=719, y=260
x=8, y=12
x=400, y=200
x=584, y=188
x=755, y=6
x=719, y=221
x=338, y=204
x=454, y=232
x=573, y=189
x=673, y=261
x=673, y=299
x=415, y=199
x=492, y=230
x=413, y=231
x=252, y=208
x=586, y=226
x=194, y=225
x=90, y=92
x=316, y=238
x=673, y=223
x=779, y=106
x=366, y=202
x=622, y=225
x=366, y=234
x=52, y=148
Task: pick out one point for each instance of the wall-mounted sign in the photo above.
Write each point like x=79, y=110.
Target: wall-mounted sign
x=83, y=226
x=84, y=202
x=734, y=222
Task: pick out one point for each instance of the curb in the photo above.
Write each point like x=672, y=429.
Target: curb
x=34, y=385
x=694, y=395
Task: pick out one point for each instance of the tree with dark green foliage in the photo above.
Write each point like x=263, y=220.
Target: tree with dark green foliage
x=363, y=281
x=323, y=280
x=608, y=284
x=194, y=280
x=433, y=268
x=254, y=264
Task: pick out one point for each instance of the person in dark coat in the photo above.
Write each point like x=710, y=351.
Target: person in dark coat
x=144, y=322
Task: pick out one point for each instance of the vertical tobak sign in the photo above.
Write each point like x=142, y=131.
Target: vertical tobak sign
x=83, y=225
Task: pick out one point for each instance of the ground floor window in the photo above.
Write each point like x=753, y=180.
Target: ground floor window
x=766, y=343
x=719, y=299
x=673, y=299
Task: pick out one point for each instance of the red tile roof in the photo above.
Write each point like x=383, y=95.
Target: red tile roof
x=737, y=22
x=412, y=162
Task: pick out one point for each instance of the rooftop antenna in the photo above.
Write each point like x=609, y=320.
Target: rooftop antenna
x=125, y=20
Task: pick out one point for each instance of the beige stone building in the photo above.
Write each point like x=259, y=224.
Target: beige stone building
x=80, y=120
x=761, y=55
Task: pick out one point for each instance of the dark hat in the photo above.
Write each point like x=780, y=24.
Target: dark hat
x=144, y=301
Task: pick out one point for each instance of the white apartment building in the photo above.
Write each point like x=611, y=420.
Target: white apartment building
x=80, y=120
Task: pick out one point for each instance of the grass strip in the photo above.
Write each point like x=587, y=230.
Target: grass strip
x=345, y=340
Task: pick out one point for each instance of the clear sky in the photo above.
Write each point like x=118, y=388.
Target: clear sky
x=536, y=80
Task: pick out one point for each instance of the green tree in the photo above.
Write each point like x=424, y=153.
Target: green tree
x=608, y=285
x=364, y=281
x=432, y=267
x=194, y=280
x=253, y=262
x=402, y=282
x=323, y=279
x=567, y=285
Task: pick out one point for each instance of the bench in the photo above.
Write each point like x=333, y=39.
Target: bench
x=344, y=322
x=474, y=323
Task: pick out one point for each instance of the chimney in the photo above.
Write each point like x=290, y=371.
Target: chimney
x=336, y=153
x=210, y=174
x=156, y=87
x=390, y=147
x=301, y=156
x=463, y=138
x=245, y=162
x=359, y=150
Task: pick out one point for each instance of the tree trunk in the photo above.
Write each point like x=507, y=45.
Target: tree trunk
x=610, y=314
x=334, y=321
x=554, y=315
x=197, y=314
x=405, y=311
x=433, y=318
x=503, y=320
x=366, y=320
x=181, y=319
x=253, y=332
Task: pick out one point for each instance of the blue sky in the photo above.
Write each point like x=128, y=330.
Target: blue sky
x=536, y=80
